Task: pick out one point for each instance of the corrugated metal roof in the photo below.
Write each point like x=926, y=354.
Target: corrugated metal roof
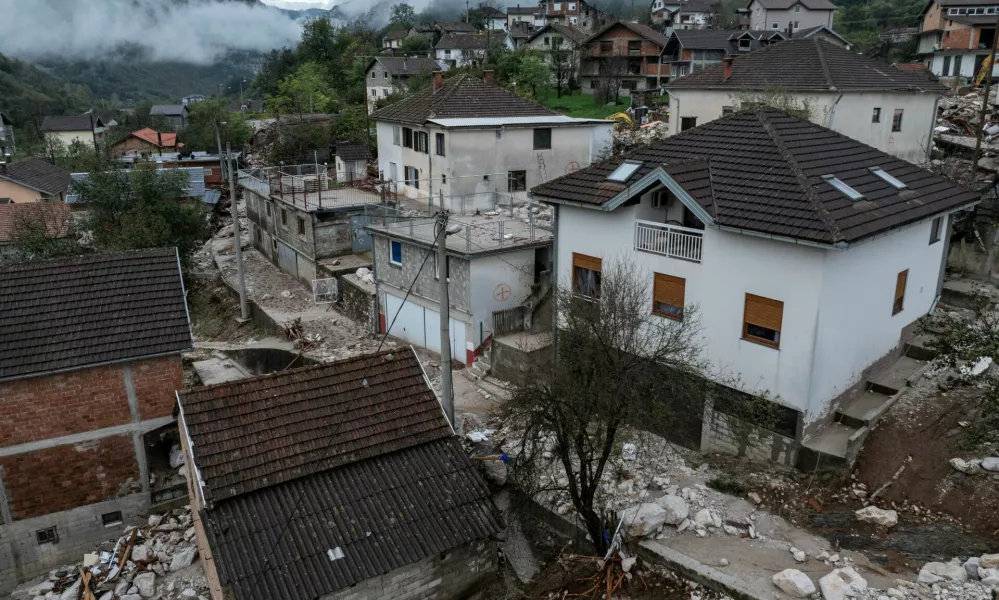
x=381, y=513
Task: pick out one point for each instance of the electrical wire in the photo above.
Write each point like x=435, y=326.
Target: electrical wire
x=333, y=437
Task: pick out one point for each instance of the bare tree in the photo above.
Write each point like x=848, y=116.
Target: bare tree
x=612, y=364
x=563, y=56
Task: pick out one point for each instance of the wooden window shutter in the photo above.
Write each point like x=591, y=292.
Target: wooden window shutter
x=900, y=281
x=669, y=290
x=764, y=312
x=586, y=262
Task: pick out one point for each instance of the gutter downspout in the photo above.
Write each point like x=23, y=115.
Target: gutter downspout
x=832, y=112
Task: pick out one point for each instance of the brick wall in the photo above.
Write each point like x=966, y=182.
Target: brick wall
x=455, y=574
x=156, y=382
x=64, y=477
x=959, y=38
x=40, y=408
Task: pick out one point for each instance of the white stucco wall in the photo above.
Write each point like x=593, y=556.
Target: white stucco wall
x=514, y=271
x=967, y=64
x=66, y=138
x=472, y=154
x=848, y=113
x=856, y=325
x=761, y=18
x=837, y=303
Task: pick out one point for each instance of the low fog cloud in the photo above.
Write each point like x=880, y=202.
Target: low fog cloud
x=196, y=32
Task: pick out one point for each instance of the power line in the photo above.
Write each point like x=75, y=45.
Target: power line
x=332, y=435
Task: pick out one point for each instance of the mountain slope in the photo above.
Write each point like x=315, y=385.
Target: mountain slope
x=27, y=93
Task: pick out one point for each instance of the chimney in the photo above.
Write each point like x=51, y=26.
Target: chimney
x=438, y=80
x=487, y=76
x=726, y=68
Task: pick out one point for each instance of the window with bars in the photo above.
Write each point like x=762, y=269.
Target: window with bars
x=668, y=296
x=900, y=282
x=762, y=320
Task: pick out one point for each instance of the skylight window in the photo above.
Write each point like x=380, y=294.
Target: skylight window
x=624, y=171
x=895, y=183
x=847, y=191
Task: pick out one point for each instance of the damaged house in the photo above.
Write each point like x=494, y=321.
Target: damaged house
x=809, y=257
x=89, y=366
x=340, y=481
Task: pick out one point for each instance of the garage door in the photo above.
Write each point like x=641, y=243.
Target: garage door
x=421, y=326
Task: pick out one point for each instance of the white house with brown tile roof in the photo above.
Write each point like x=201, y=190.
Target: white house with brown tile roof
x=806, y=254
x=793, y=14
x=463, y=49
x=467, y=140
x=889, y=108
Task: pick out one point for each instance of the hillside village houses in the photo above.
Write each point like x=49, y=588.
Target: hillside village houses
x=521, y=14
x=393, y=39
x=175, y=114
x=387, y=75
x=622, y=57
x=875, y=103
x=475, y=149
x=561, y=47
x=793, y=14
x=462, y=49
x=807, y=255
x=955, y=37
x=494, y=18
x=85, y=129
x=32, y=180
x=682, y=14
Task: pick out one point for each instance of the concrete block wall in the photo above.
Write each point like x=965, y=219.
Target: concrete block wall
x=728, y=435
x=357, y=302
x=333, y=237
x=80, y=530
x=401, y=277
x=454, y=574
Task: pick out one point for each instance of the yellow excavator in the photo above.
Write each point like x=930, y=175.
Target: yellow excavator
x=620, y=116
x=983, y=71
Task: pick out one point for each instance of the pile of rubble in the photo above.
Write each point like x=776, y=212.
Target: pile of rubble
x=976, y=578
x=155, y=561
x=640, y=136
x=541, y=214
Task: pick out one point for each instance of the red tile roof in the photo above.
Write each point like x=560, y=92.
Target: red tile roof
x=55, y=215
x=169, y=140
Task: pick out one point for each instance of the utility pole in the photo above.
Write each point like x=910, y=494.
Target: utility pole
x=985, y=104
x=244, y=310
x=218, y=141
x=466, y=11
x=447, y=394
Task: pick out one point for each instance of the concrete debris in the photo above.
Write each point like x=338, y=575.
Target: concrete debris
x=365, y=275
x=480, y=435
x=754, y=497
x=176, y=457
x=627, y=562
x=989, y=561
x=643, y=520
x=795, y=583
x=991, y=463
x=971, y=566
x=968, y=467
x=935, y=572
x=629, y=452
x=154, y=561
x=842, y=584
x=873, y=514
x=676, y=509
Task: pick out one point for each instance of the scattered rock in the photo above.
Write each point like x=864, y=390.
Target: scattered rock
x=176, y=457
x=723, y=562
x=146, y=584
x=989, y=561
x=754, y=497
x=286, y=294
x=140, y=553
x=799, y=556
x=155, y=520
x=878, y=516
x=842, y=584
x=675, y=507
x=643, y=519
x=686, y=524
x=935, y=572
x=703, y=518
x=823, y=556
x=969, y=467
x=184, y=558
x=991, y=463
x=629, y=452
x=627, y=563
x=72, y=592
x=795, y=583
x=989, y=577
x=971, y=566
x=731, y=530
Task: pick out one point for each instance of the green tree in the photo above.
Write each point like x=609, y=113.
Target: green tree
x=417, y=44
x=320, y=43
x=44, y=231
x=278, y=64
x=308, y=90
x=142, y=208
x=201, y=120
x=533, y=74
x=402, y=16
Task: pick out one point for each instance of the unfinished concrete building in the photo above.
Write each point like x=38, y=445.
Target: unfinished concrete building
x=89, y=366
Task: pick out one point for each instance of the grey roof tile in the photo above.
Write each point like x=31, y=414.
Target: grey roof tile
x=39, y=175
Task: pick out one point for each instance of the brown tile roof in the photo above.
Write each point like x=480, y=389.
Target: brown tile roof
x=260, y=432
x=809, y=64
x=398, y=65
x=39, y=175
x=70, y=123
x=397, y=34
x=55, y=215
x=762, y=171
x=574, y=34
x=151, y=136
x=69, y=313
x=460, y=96
x=448, y=26
x=349, y=151
x=642, y=30
x=719, y=39
x=382, y=513
x=479, y=40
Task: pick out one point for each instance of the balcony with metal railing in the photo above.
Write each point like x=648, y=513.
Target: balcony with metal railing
x=669, y=240
x=309, y=187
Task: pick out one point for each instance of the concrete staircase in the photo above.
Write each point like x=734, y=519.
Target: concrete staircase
x=837, y=444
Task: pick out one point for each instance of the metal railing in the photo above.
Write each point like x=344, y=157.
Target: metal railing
x=309, y=187
x=669, y=240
